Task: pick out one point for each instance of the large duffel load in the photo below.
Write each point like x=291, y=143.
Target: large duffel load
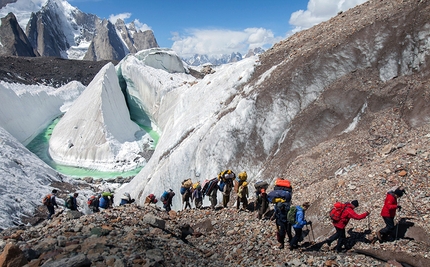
x=279, y=194
x=261, y=185
x=209, y=185
x=242, y=177
x=226, y=175
x=187, y=183
x=283, y=184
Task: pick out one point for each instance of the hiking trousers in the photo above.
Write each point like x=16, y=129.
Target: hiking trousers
x=340, y=236
x=244, y=200
x=284, y=229
x=388, y=230
x=51, y=211
x=298, y=235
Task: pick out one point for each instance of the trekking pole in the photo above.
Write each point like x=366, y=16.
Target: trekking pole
x=398, y=222
x=313, y=236
x=309, y=236
x=413, y=205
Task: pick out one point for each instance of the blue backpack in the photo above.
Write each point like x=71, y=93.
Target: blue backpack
x=164, y=196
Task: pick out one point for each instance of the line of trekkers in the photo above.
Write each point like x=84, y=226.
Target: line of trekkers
x=285, y=215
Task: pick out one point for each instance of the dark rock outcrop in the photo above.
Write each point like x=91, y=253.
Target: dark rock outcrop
x=13, y=39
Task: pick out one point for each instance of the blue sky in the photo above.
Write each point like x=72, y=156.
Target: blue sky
x=221, y=26
x=216, y=27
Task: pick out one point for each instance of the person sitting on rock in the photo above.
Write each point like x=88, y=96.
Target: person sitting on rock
x=126, y=199
x=106, y=200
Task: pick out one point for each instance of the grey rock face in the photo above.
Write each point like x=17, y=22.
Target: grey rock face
x=106, y=44
x=14, y=41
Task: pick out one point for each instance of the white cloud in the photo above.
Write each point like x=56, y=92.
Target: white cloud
x=318, y=11
x=222, y=41
x=124, y=16
x=141, y=26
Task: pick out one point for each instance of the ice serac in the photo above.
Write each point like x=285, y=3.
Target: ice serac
x=24, y=180
x=34, y=106
x=96, y=132
x=150, y=77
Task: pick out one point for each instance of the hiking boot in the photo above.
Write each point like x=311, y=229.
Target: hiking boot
x=378, y=235
x=281, y=246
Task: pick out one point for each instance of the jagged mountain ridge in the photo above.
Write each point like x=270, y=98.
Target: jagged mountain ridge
x=216, y=60
x=60, y=30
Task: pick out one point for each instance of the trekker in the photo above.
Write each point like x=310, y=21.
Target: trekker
x=347, y=213
x=197, y=195
x=50, y=202
x=226, y=185
x=388, y=213
x=299, y=223
x=71, y=202
x=186, y=198
x=213, y=197
x=150, y=199
x=167, y=204
x=126, y=199
x=282, y=225
x=106, y=200
x=263, y=203
x=242, y=196
x=93, y=203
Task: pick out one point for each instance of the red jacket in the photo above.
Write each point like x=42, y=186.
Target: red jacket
x=347, y=214
x=390, y=206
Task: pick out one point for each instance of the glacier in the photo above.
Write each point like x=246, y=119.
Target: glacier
x=97, y=132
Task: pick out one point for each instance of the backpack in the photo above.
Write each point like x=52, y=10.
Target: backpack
x=164, y=196
x=221, y=186
x=209, y=186
x=283, y=184
x=68, y=202
x=261, y=184
x=336, y=211
x=90, y=201
x=47, y=200
x=279, y=194
x=183, y=190
x=291, y=216
x=281, y=211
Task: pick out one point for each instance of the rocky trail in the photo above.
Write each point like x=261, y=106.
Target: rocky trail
x=148, y=236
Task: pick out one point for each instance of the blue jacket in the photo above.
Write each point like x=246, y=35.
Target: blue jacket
x=300, y=218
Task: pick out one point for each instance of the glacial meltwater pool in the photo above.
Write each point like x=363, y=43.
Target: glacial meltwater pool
x=40, y=146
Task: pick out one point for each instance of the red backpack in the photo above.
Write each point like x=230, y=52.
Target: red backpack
x=336, y=211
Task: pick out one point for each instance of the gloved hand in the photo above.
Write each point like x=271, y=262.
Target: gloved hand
x=399, y=207
x=309, y=222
